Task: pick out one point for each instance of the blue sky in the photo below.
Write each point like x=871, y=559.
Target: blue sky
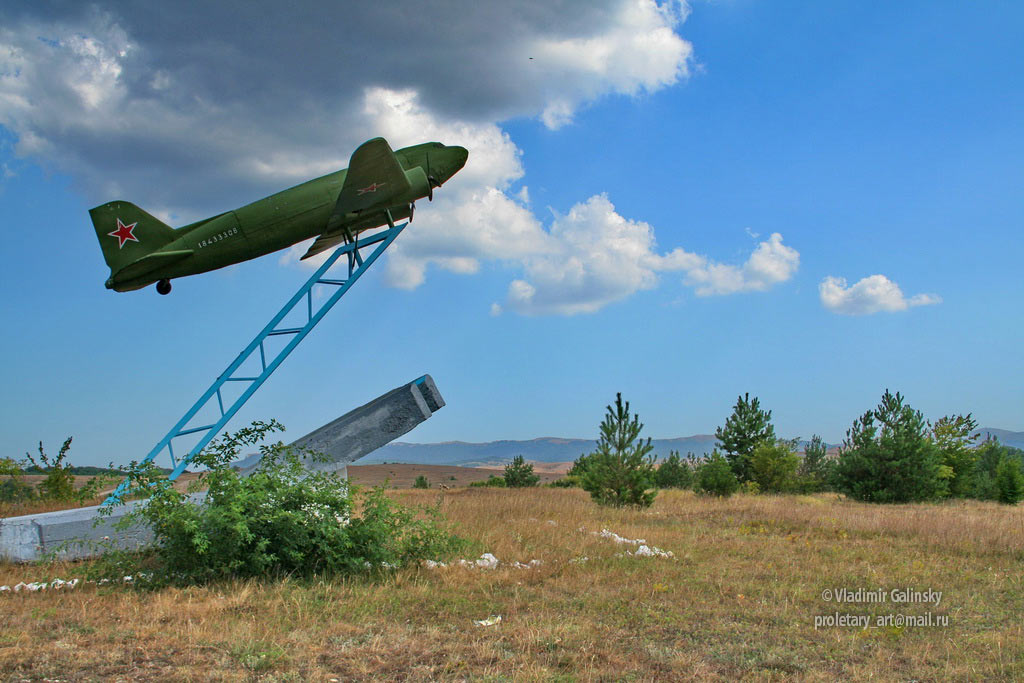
x=661, y=148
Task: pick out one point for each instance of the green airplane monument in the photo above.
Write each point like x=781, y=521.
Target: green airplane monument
x=379, y=187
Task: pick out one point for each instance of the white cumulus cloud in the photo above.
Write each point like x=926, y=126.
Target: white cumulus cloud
x=771, y=263
x=872, y=294
x=595, y=257
x=638, y=51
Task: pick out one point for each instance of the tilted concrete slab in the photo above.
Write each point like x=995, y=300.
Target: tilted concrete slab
x=361, y=431
x=71, y=534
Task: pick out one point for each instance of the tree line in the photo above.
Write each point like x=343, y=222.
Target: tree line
x=891, y=454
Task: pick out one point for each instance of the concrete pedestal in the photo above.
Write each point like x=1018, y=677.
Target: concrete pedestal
x=74, y=534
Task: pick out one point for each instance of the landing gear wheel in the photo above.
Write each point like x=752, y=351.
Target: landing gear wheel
x=163, y=286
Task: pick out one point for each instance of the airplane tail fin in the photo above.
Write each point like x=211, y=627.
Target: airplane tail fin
x=127, y=233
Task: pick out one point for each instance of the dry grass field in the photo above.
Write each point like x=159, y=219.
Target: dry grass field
x=402, y=476
x=398, y=476
x=738, y=601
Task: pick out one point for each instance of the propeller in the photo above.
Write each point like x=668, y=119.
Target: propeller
x=431, y=182
x=412, y=210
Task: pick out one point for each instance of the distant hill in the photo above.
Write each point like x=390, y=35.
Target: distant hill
x=1005, y=436
x=554, y=449
x=544, y=449
x=85, y=470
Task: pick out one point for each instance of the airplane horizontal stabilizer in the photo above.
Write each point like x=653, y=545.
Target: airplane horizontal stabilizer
x=150, y=262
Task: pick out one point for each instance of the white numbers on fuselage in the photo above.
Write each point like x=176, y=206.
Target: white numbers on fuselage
x=218, y=237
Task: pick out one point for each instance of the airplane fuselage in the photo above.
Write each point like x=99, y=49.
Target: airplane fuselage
x=276, y=222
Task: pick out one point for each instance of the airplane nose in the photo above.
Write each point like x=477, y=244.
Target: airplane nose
x=461, y=155
x=451, y=162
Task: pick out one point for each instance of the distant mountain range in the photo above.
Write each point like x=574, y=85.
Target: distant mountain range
x=553, y=449
x=1005, y=436
x=544, y=449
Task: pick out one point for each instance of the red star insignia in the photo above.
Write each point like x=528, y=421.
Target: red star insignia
x=124, y=233
x=371, y=188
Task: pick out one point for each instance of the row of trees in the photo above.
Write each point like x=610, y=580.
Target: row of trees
x=891, y=454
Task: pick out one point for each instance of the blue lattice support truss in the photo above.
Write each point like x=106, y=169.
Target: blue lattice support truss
x=357, y=265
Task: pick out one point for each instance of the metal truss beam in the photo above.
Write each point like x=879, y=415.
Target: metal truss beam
x=357, y=265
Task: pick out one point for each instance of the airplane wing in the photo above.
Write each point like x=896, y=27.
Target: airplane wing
x=150, y=262
x=373, y=176
x=323, y=243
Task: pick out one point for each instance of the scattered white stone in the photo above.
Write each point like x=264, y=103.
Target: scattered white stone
x=580, y=560
x=430, y=564
x=529, y=565
x=489, y=621
x=551, y=522
x=34, y=586
x=605, y=533
x=486, y=561
x=643, y=550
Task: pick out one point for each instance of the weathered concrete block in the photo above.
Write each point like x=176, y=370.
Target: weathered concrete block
x=367, y=428
x=72, y=535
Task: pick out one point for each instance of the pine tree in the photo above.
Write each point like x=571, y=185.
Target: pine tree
x=743, y=430
x=674, y=473
x=888, y=457
x=519, y=473
x=813, y=472
x=621, y=471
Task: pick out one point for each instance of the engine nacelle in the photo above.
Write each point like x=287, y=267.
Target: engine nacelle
x=419, y=186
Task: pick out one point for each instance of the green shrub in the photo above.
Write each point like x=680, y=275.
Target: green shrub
x=574, y=477
x=954, y=440
x=14, y=490
x=773, y=466
x=579, y=466
x=421, y=483
x=493, y=480
x=1009, y=481
x=715, y=477
x=59, y=483
x=282, y=519
x=621, y=471
x=519, y=473
x=674, y=473
x=988, y=457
